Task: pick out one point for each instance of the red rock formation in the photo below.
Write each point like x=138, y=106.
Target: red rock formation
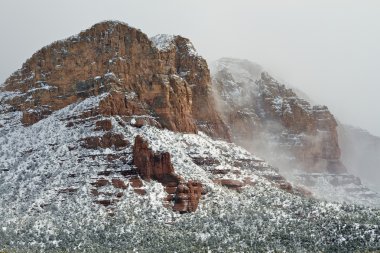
x=151, y=165
x=119, y=183
x=265, y=116
x=157, y=166
x=187, y=197
x=100, y=182
x=231, y=184
x=103, y=125
x=140, y=191
x=172, y=85
x=320, y=149
x=29, y=118
x=108, y=140
x=136, y=182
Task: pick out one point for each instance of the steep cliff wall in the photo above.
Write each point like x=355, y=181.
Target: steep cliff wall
x=265, y=116
x=162, y=77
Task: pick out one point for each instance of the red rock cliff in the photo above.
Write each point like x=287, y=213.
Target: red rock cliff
x=162, y=77
x=265, y=116
x=184, y=196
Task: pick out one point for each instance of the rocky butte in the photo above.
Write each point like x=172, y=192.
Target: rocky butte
x=282, y=126
x=159, y=81
x=133, y=81
x=265, y=116
x=166, y=82
x=111, y=141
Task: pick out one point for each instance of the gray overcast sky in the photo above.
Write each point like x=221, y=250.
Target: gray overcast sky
x=328, y=48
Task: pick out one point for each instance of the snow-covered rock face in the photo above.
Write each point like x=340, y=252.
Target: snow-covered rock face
x=254, y=104
x=343, y=187
x=169, y=79
x=166, y=42
x=163, y=42
x=271, y=120
x=242, y=71
x=57, y=194
x=70, y=181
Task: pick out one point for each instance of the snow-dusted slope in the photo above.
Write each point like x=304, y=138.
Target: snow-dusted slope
x=271, y=120
x=47, y=203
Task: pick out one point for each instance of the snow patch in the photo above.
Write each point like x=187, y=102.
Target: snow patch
x=163, y=42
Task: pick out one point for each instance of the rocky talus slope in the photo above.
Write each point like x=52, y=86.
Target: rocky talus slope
x=271, y=120
x=111, y=142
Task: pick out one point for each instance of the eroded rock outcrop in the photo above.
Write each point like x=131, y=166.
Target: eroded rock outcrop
x=230, y=183
x=108, y=140
x=150, y=165
x=270, y=119
x=103, y=125
x=187, y=197
x=162, y=77
x=183, y=195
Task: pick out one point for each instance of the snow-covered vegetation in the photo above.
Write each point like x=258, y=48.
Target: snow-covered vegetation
x=38, y=213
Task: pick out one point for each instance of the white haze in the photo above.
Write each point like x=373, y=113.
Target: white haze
x=360, y=153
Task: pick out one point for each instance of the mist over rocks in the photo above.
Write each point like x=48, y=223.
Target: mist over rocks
x=301, y=139
x=361, y=153
x=112, y=142
x=263, y=114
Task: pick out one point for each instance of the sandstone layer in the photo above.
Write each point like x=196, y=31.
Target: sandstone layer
x=183, y=195
x=162, y=78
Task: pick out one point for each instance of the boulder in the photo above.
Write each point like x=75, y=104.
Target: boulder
x=103, y=125
x=100, y=182
x=151, y=165
x=108, y=140
x=187, y=197
x=158, y=166
x=119, y=183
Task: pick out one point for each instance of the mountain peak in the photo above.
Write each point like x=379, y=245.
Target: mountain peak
x=242, y=70
x=106, y=140
x=170, y=80
x=255, y=104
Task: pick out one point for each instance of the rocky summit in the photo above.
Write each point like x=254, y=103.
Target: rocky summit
x=111, y=141
x=255, y=105
x=273, y=121
x=162, y=78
